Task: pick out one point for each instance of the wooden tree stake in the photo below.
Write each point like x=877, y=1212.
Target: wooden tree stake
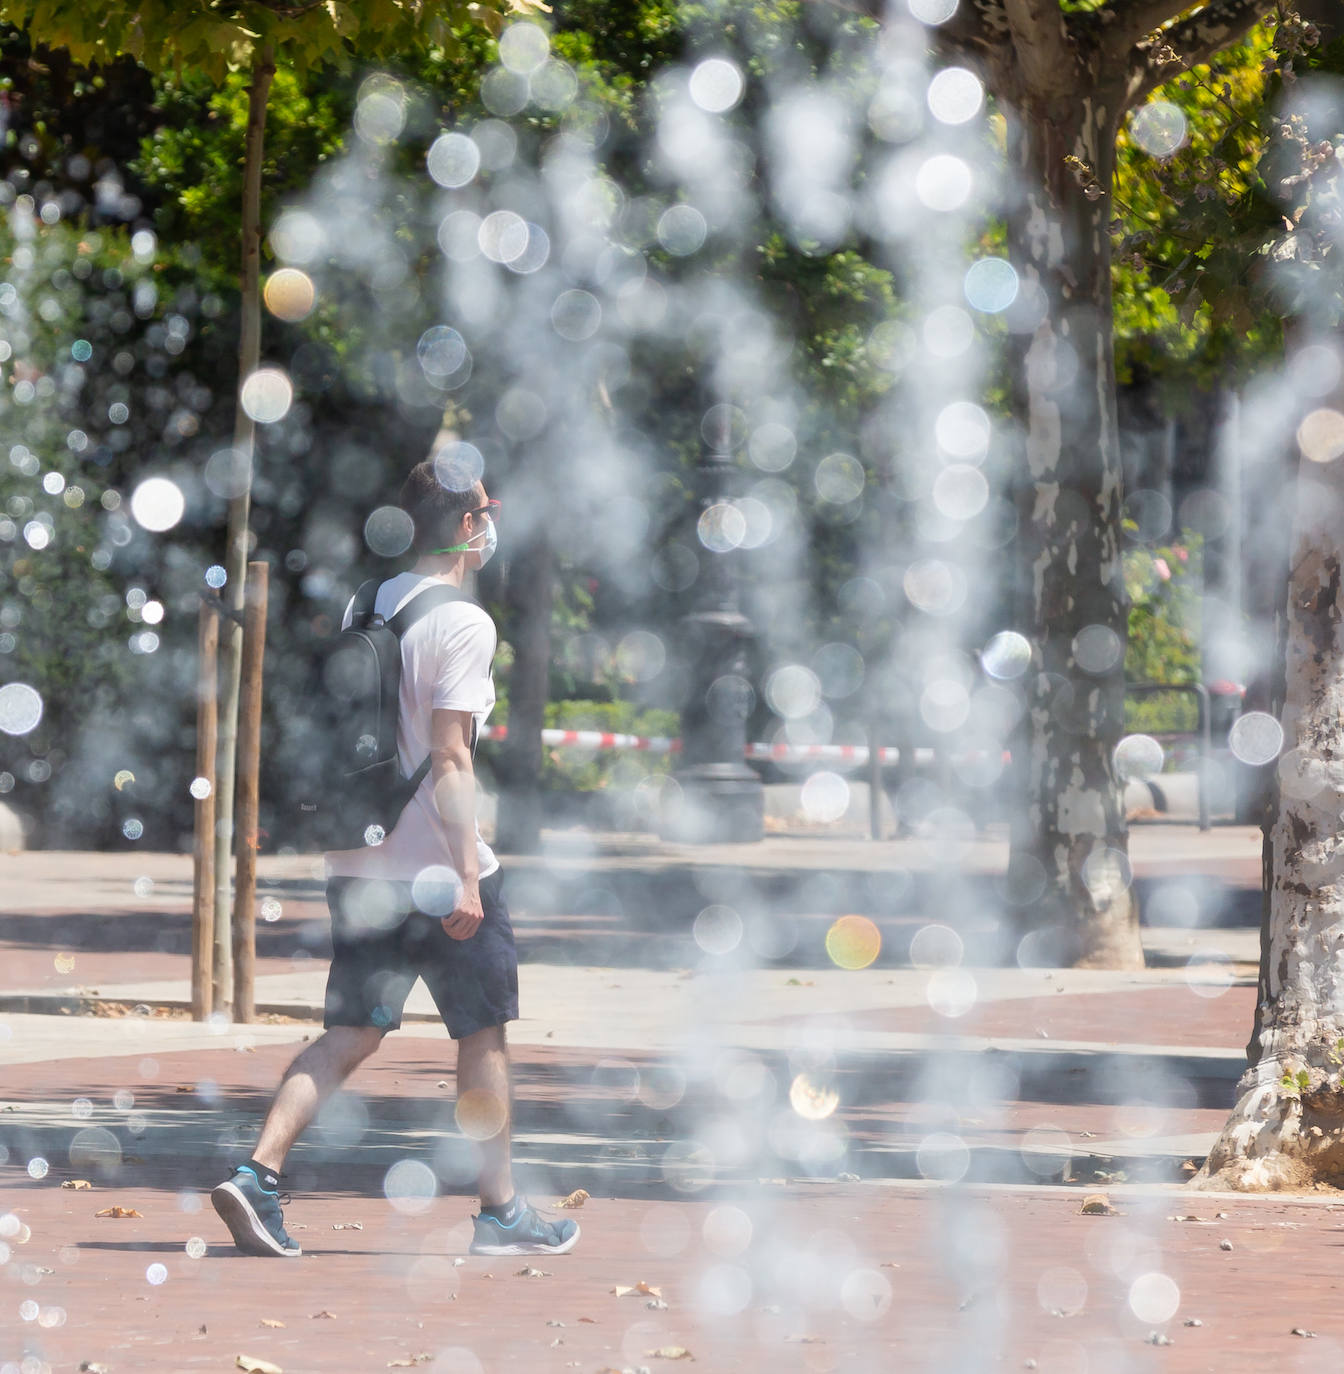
x=203, y=867
x=249, y=766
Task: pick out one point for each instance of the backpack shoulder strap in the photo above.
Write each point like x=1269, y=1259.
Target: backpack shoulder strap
x=364, y=601
x=422, y=603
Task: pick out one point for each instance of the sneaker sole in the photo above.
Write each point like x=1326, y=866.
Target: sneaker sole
x=527, y=1247
x=249, y=1235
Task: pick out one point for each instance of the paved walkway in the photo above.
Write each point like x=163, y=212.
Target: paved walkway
x=767, y=1138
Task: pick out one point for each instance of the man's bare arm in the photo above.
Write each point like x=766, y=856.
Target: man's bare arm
x=454, y=778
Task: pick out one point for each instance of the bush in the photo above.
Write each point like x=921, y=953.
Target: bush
x=1163, y=586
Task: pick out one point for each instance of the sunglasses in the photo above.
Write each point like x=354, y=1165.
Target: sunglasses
x=491, y=508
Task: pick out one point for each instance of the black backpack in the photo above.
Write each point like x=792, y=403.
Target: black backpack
x=341, y=777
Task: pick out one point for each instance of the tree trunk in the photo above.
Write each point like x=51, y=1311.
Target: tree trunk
x=236, y=547
x=1070, y=841
x=1289, y=1135
x=531, y=584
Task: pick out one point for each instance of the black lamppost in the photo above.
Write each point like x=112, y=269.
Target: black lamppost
x=718, y=798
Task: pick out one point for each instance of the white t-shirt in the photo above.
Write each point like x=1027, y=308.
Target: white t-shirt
x=445, y=665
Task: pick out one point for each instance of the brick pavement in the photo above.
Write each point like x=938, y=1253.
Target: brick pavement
x=805, y=1277
x=710, y=1179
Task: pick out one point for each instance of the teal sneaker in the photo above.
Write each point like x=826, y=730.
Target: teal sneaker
x=252, y=1214
x=526, y=1234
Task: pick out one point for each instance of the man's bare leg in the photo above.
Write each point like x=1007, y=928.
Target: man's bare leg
x=483, y=1072
x=312, y=1077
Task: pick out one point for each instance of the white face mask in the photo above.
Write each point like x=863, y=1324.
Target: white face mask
x=486, y=551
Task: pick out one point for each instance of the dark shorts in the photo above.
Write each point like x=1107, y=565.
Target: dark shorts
x=381, y=944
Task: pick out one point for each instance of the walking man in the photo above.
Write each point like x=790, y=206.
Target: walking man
x=425, y=903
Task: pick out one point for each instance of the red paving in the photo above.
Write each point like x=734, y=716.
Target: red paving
x=807, y=1278
x=1174, y=1015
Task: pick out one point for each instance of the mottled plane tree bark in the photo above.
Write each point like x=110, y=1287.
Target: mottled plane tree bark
x=1064, y=80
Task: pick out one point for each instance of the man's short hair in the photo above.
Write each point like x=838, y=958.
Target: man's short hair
x=435, y=510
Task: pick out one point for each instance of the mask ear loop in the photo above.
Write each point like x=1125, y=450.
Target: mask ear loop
x=460, y=548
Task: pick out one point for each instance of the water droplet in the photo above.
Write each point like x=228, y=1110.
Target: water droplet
x=267, y=395
x=196, y=1248
x=793, y=691
x=1158, y=128
x=1320, y=436
x=290, y=294
x=157, y=1274
x=716, y=85
x=722, y=527
x=1255, y=738
x=682, y=230
x=523, y=47
x=410, y=1186
x=435, y=890
x=718, y=930
x=389, y=531
x=1006, y=656
x=1154, y=1298
x=943, y=183
x=1097, y=649
x=453, y=159
x=20, y=708
x=37, y=1167
x=955, y=95
x=942, y=1157
x=812, y=1098
x=853, y=942
x=991, y=285
x=1138, y=756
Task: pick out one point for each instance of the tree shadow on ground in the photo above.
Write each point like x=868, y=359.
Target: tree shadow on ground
x=659, y=1127
x=631, y=918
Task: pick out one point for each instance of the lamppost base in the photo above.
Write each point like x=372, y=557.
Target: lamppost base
x=714, y=803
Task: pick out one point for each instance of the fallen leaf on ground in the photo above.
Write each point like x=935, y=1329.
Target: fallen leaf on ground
x=888, y=1264
x=187, y=1088
x=527, y=1272
x=328, y=1316
x=1190, y=1216
x=442, y=1083
x=670, y=1352
x=256, y=1366
x=553, y=1322
x=1299, y=1331
x=89, y=1367
x=558, y=1341
x=657, y=1304
x=347, y=1225
x=77, y=1183
x=805, y=1340
x=576, y=1199
x=588, y=1321
x=119, y=1212
x=423, y=1358
x=1098, y=1205
x=641, y=1288
x=1157, y=1338
x=271, y=1321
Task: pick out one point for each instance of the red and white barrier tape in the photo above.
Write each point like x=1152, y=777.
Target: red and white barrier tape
x=661, y=744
